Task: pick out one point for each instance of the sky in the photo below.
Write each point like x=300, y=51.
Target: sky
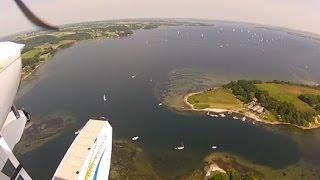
x=295, y=14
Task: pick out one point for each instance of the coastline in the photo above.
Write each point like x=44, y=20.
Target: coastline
x=26, y=75
x=249, y=115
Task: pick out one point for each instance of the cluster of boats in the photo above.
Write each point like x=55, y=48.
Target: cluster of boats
x=243, y=119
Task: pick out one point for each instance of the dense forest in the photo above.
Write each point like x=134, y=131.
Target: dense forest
x=283, y=111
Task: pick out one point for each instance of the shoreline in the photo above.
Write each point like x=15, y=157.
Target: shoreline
x=25, y=76
x=249, y=115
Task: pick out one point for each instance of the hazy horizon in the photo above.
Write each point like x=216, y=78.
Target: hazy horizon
x=292, y=14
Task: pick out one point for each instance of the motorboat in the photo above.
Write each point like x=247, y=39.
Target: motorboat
x=222, y=115
x=135, y=138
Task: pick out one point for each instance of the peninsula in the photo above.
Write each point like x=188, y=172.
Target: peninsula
x=272, y=102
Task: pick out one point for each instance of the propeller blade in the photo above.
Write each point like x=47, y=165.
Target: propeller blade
x=33, y=18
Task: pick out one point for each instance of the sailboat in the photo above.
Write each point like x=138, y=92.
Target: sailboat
x=181, y=147
x=104, y=97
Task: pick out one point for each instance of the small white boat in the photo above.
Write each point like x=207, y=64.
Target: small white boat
x=212, y=115
x=244, y=118
x=178, y=32
x=77, y=132
x=202, y=35
x=181, y=147
x=133, y=76
x=234, y=117
x=222, y=115
x=160, y=104
x=214, y=147
x=135, y=138
x=104, y=97
x=253, y=123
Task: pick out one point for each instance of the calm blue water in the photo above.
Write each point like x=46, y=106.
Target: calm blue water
x=76, y=78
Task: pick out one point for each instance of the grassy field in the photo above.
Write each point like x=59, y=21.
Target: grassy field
x=289, y=93
x=217, y=98
x=31, y=53
x=266, y=115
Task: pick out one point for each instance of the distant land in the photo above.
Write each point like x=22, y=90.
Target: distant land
x=40, y=46
x=272, y=102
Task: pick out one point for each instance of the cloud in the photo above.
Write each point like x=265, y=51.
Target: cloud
x=296, y=14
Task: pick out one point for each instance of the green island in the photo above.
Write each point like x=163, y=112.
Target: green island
x=273, y=102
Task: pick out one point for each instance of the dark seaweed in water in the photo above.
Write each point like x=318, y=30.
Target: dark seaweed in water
x=39, y=133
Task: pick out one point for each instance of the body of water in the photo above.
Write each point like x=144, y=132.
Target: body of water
x=75, y=79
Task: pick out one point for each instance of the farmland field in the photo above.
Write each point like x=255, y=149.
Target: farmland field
x=289, y=93
x=31, y=53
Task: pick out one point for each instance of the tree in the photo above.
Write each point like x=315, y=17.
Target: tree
x=246, y=90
